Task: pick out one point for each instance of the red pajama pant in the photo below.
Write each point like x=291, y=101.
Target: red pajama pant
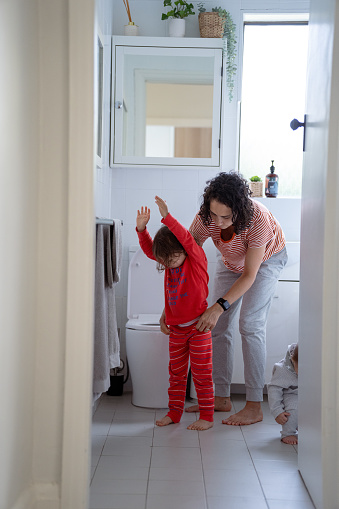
x=185, y=343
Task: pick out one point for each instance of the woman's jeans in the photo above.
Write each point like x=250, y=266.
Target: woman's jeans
x=254, y=307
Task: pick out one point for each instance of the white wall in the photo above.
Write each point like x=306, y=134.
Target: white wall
x=182, y=189
x=19, y=87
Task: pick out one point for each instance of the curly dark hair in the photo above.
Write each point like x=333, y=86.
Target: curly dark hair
x=232, y=190
x=165, y=246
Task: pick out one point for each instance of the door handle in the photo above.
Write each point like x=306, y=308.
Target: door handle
x=295, y=124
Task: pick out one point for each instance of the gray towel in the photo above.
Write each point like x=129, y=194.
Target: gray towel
x=116, y=260
x=101, y=367
x=107, y=274
x=117, y=250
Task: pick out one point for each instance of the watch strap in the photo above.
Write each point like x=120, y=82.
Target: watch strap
x=224, y=304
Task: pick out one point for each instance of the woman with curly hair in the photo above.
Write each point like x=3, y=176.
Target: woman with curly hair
x=252, y=253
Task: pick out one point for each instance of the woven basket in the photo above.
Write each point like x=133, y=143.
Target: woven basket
x=256, y=188
x=211, y=24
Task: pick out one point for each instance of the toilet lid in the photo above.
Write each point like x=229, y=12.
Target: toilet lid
x=145, y=293
x=144, y=322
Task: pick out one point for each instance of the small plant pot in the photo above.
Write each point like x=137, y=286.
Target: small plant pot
x=176, y=27
x=131, y=29
x=256, y=188
x=211, y=24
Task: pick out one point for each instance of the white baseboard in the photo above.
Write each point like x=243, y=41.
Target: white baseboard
x=39, y=496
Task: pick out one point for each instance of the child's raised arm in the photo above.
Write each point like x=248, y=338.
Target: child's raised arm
x=163, y=209
x=142, y=218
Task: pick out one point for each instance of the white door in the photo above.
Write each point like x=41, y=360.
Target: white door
x=319, y=270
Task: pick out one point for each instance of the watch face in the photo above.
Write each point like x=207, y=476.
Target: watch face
x=223, y=303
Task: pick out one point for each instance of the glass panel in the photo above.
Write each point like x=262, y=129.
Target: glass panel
x=273, y=93
x=168, y=106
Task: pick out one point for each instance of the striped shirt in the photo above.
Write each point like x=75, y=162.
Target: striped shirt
x=264, y=230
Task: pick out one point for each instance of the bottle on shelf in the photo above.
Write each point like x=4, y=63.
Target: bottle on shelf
x=271, y=183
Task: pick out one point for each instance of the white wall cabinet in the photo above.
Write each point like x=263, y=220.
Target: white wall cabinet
x=166, y=101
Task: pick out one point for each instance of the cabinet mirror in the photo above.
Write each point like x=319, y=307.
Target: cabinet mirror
x=166, y=104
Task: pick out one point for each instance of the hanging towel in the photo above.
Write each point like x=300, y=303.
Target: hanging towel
x=101, y=367
x=107, y=274
x=117, y=250
x=116, y=260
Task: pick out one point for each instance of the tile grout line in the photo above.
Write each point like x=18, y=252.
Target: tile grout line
x=255, y=469
x=107, y=435
x=203, y=471
x=150, y=461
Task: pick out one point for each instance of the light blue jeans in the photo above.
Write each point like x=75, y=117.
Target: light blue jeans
x=255, y=305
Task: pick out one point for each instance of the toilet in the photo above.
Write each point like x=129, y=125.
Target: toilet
x=146, y=346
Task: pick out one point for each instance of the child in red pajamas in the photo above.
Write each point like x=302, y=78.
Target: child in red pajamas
x=186, y=290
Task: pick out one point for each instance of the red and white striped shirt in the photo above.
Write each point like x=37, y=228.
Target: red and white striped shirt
x=264, y=230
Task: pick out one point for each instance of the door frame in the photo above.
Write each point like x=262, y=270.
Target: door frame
x=80, y=269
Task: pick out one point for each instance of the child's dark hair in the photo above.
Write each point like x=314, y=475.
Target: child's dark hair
x=294, y=354
x=233, y=191
x=165, y=246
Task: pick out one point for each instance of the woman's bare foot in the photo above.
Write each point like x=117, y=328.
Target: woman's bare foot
x=200, y=425
x=291, y=440
x=221, y=404
x=250, y=414
x=165, y=421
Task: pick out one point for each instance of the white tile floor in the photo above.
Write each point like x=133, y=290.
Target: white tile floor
x=137, y=465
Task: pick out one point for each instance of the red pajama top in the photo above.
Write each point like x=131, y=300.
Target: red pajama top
x=186, y=287
x=264, y=230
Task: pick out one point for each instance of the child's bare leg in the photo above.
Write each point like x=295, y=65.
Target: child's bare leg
x=221, y=404
x=165, y=421
x=200, y=425
x=291, y=440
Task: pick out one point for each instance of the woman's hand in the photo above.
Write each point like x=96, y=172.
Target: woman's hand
x=163, y=327
x=209, y=318
x=163, y=209
x=142, y=218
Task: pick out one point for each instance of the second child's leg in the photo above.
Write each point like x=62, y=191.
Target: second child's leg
x=178, y=367
x=289, y=433
x=200, y=348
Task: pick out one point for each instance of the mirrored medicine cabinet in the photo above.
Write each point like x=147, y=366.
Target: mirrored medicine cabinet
x=166, y=101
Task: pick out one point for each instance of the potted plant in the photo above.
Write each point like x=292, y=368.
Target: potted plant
x=179, y=10
x=219, y=23
x=256, y=186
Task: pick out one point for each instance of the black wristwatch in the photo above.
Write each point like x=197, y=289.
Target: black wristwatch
x=224, y=304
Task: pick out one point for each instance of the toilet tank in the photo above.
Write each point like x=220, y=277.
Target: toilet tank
x=145, y=291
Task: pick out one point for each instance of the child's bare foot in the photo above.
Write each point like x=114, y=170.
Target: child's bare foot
x=200, y=425
x=221, y=404
x=165, y=421
x=291, y=440
x=250, y=414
